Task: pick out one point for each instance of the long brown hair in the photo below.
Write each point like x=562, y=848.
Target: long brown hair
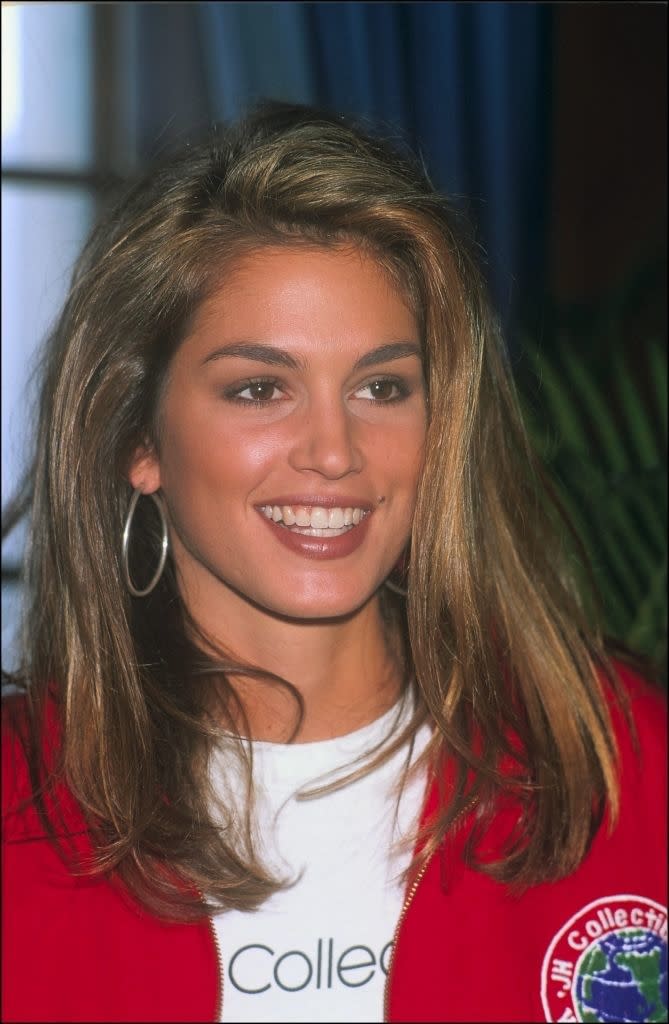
x=503, y=657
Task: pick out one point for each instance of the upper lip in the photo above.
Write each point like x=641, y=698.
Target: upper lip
x=319, y=500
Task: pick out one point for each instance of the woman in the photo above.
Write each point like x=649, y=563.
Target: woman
x=316, y=728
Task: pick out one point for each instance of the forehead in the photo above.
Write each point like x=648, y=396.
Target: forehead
x=312, y=292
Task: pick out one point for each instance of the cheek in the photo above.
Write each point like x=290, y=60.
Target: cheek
x=210, y=451
x=401, y=455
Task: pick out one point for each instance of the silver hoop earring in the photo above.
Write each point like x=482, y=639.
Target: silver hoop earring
x=158, y=501
x=395, y=588
x=401, y=572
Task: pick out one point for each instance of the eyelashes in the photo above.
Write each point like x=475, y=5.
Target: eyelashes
x=263, y=391
x=386, y=390
x=260, y=392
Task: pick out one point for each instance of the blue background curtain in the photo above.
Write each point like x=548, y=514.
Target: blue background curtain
x=465, y=84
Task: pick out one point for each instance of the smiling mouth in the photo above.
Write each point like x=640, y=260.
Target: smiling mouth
x=315, y=521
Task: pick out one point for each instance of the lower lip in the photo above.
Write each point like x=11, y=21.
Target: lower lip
x=319, y=547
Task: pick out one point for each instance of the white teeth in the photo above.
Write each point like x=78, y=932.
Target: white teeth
x=314, y=518
x=320, y=519
x=336, y=518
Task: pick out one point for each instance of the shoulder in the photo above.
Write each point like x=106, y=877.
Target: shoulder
x=16, y=787
x=641, y=740
x=645, y=696
x=641, y=734
x=29, y=758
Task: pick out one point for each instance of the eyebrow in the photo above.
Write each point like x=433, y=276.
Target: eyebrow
x=272, y=356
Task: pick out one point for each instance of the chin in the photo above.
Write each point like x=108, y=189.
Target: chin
x=319, y=607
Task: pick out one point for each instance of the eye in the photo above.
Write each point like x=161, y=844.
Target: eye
x=385, y=389
x=256, y=392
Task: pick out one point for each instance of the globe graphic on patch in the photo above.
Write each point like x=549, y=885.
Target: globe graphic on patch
x=623, y=977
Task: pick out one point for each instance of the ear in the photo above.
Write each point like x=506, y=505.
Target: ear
x=144, y=469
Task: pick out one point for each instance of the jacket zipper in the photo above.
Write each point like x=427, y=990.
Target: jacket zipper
x=407, y=903
x=219, y=979
x=219, y=964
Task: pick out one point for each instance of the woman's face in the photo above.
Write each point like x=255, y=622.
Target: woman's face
x=292, y=426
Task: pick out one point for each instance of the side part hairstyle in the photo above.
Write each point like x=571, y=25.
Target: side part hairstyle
x=499, y=648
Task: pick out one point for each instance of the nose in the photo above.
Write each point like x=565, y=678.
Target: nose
x=327, y=441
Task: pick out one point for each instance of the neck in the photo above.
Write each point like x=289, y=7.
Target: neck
x=346, y=670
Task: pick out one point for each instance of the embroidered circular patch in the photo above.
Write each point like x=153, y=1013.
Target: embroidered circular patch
x=608, y=963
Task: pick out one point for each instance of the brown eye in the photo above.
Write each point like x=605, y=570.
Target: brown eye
x=383, y=390
x=261, y=390
x=256, y=391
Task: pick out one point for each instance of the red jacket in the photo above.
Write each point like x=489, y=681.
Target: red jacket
x=591, y=946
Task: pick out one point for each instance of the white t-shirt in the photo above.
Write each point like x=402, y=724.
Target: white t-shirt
x=319, y=951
